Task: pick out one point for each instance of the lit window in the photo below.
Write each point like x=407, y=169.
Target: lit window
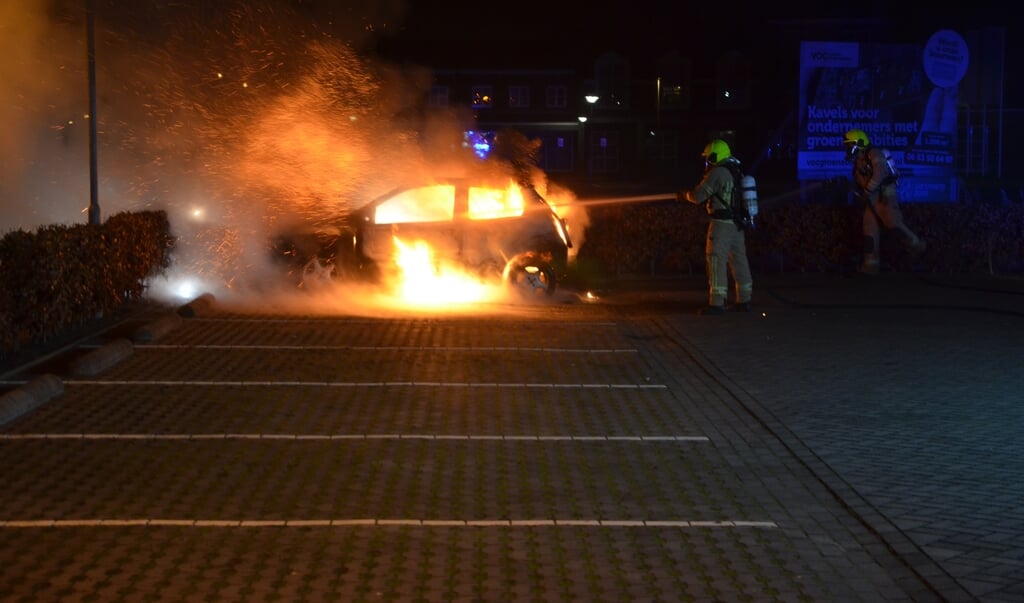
x=483, y=97
x=672, y=97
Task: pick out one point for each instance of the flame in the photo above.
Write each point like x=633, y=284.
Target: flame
x=424, y=282
x=427, y=204
x=489, y=203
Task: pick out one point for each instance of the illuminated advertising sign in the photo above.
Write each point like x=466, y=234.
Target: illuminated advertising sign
x=903, y=95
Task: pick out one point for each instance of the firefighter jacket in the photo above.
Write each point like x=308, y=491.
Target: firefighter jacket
x=715, y=191
x=872, y=171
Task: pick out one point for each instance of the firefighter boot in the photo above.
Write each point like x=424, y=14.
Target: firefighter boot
x=869, y=265
x=916, y=246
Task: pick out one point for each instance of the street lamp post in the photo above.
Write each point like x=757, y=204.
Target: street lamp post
x=589, y=151
x=582, y=139
x=94, y=206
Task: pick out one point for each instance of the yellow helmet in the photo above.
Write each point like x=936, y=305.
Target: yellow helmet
x=856, y=138
x=716, y=151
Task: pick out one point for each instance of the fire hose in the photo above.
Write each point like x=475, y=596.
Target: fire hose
x=631, y=199
x=675, y=196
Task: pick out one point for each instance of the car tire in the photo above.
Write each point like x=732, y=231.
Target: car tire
x=530, y=278
x=316, y=273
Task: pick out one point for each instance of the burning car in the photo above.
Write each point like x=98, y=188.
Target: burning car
x=499, y=233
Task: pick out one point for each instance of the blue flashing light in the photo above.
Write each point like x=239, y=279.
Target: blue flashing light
x=480, y=142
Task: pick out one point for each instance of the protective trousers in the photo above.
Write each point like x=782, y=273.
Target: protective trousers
x=727, y=251
x=887, y=210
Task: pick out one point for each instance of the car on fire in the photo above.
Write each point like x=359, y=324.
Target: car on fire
x=501, y=233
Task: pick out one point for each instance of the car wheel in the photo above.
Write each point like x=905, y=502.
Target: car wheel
x=530, y=278
x=316, y=273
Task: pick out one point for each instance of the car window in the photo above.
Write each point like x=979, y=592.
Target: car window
x=435, y=203
x=490, y=203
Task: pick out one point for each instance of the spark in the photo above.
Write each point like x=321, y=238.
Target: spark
x=292, y=128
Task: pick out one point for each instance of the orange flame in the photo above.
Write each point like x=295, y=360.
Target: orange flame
x=491, y=203
x=425, y=282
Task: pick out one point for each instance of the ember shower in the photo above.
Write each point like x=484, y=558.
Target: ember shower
x=238, y=118
x=233, y=117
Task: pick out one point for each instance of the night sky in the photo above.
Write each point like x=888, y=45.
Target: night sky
x=533, y=33
x=162, y=101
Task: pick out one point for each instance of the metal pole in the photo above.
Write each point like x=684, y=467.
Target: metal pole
x=1002, y=89
x=94, y=206
x=589, y=126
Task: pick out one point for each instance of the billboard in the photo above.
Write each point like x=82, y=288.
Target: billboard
x=903, y=95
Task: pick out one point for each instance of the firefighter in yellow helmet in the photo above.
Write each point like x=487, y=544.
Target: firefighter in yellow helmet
x=875, y=179
x=726, y=247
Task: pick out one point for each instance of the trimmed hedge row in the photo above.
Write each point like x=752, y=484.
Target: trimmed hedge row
x=62, y=276
x=668, y=238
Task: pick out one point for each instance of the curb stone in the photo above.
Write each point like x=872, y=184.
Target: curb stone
x=42, y=389
x=102, y=358
x=27, y=397
x=197, y=307
x=157, y=329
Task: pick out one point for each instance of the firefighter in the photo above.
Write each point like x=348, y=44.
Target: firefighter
x=726, y=247
x=875, y=179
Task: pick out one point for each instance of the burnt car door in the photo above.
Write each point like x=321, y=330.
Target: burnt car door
x=409, y=218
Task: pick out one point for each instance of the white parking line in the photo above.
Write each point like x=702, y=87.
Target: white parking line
x=397, y=348
x=370, y=522
x=335, y=436
x=369, y=384
x=376, y=321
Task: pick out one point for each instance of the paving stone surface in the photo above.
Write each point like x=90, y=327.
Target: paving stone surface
x=850, y=440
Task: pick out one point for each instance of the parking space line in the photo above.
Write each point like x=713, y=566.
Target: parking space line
x=374, y=348
x=375, y=321
x=335, y=436
x=162, y=383
x=372, y=522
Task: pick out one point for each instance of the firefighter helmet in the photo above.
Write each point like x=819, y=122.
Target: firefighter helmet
x=854, y=140
x=716, y=151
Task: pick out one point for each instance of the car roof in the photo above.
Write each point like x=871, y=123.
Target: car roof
x=458, y=182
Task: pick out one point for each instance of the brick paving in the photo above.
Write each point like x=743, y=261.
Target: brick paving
x=904, y=390
x=850, y=441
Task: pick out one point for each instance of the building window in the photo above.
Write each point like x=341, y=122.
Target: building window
x=557, y=151
x=674, y=97
x=556, y=97
x=604, y=152
x=483, y=97
x=661, y=150
x=438, y=96
x=518, y=97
